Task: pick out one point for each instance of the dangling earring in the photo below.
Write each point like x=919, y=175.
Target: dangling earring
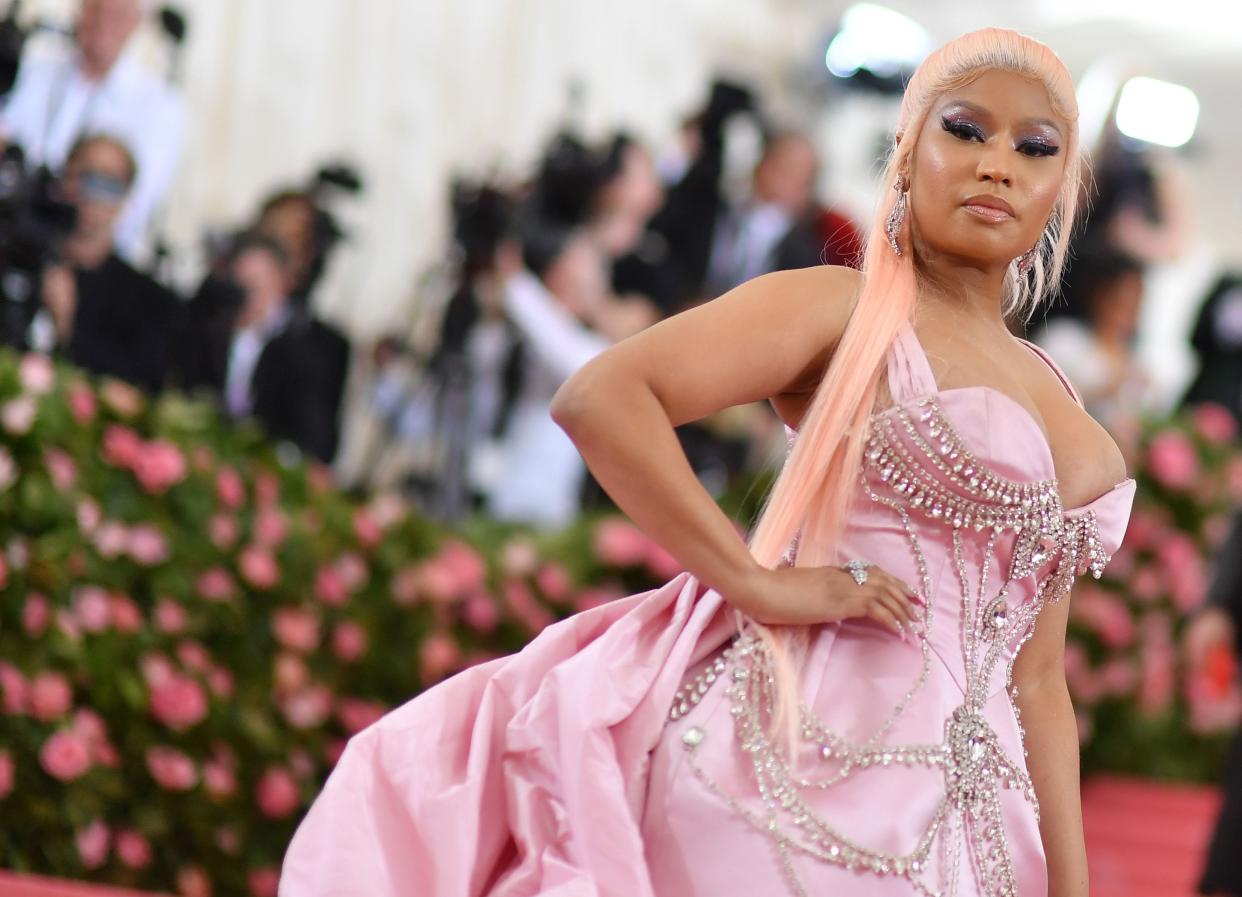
x=898, y=215
x=1026, y=261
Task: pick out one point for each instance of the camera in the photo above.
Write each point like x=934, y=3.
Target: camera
x=33, y=223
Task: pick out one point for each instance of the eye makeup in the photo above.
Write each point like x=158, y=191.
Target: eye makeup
x=966, y=128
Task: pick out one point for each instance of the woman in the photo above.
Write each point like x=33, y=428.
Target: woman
x=644, y=747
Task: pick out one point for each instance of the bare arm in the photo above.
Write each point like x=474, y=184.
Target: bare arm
x=1052, y=750
x=769, y=337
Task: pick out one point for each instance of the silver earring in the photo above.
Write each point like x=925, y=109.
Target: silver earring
x=898, y=215
x=1026, y=261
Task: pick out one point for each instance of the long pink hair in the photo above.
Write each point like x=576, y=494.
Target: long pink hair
x=811, y=496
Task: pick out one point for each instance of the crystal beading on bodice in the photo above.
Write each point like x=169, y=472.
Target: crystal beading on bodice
x=917, y=466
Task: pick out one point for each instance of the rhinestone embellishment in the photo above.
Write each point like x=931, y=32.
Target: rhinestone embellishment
x=917, y=467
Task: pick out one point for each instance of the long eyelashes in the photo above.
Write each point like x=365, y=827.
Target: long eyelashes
x=968, y=131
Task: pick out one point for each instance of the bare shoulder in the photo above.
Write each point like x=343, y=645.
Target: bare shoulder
x=1087, y=459
x=758, y=340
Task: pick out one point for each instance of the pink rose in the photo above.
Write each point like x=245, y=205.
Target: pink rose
x=178, y=703
x=160, y=465
x=270, y=528
x=258, y=567
x=51, y=697
x=219, y=779
x=157, y=670
x=334, y=749
x=278, y=794
x=289, y=673
x=266, y=489
x=388, y=508
x=1106, y=615
x=126, y=615
x=223, y=531
x=18, y=415
x=296, y=629
x=68, y=625
x=215, y=585
x=65, y=756
x=438, y=656
x=121, y=446
x=230, y=488
x=353, y=570
x=356, y=714
x=662, y=564
x=1147, y=584
x=36, y=373
x=170, y=617
x=553, y=581
x=330, y=587
x=111, y=539
x=406, y=585
x=309, y=708
x=133, y=849
x=194, y=656
x=619, y=543
x=522, y=603
x=349, y=641
x=263, y=882
x=147, y=545
x=220, y=681
x=60, y=468
x=16, y=690
x=92, y=609
x=480, y=613
x=89, y=516
x=1172, y=459
x=193, y=881
x=36, y=613
x=228, y=840
x=1214, y=423
x=89, y=725
x=171, y=769
x=122, y=398
x=519, y=557
x=82, y=404
x=92, y=843
x=7, y=774
x=366, y=530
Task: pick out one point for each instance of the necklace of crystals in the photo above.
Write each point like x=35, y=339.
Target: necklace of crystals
x=973, y=762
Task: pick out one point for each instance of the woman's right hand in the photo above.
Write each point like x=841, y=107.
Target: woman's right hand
x=800, y=596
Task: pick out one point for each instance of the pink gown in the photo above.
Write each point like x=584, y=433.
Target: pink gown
x=624, y=752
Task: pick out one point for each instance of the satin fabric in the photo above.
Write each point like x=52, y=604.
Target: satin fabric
x=556, y=771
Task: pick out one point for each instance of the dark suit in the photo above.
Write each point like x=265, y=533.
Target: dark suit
x=1217, y=340
x=124, y=324
x=1223, y=870
x=298, y=381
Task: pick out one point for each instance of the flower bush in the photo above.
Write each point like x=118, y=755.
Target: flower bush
x=1141, y=707
x=194, y=622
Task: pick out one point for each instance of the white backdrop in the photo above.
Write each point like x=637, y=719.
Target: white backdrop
x=412, y=91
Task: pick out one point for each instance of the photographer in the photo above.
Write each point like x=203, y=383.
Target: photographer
x=105, y=316
x=262, y=355
x=97, y=89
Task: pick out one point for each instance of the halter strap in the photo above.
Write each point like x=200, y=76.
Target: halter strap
x=1047, y=359
x=909, y=371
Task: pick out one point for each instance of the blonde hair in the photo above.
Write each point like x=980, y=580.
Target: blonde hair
x=811, y=496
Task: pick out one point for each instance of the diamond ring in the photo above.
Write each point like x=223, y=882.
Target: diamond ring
x=858, y=570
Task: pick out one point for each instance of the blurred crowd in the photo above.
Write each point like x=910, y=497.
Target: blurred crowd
x=603, y=239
